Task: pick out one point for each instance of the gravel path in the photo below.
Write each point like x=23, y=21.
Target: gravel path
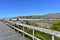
x=6, y=33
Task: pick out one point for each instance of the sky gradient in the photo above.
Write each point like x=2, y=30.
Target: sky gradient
x=12, y=8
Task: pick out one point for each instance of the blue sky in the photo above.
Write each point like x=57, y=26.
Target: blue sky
x=12, y=8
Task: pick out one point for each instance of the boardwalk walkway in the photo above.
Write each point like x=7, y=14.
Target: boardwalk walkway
x=6, y=33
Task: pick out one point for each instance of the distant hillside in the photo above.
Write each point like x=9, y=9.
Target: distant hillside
x=47, y=16
x=56, y=15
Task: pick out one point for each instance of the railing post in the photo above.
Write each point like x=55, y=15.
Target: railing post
x=38, y=39
x=23, y=30
x=53, y=37
x=18, y=27
x=33, y=34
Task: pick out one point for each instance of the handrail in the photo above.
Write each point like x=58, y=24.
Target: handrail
x=24, y=32
x=51, y=32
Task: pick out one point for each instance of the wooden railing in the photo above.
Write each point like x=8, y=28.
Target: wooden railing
x=51, y=32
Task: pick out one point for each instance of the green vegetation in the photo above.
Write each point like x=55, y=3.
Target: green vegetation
x=17, y=19
x=29, y=38
x=56, y=26
x=42, y=35
x=57, y=38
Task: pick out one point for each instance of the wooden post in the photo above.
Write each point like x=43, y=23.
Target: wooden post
x=53, y=37
x=33, y=34
x=23, y=30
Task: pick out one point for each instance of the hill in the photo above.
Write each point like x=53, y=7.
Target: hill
x=47, y=16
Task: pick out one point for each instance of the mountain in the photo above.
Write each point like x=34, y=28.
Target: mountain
x=47, y=16
x=55, y=15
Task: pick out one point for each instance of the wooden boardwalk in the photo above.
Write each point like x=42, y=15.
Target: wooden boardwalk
x=6, y=33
